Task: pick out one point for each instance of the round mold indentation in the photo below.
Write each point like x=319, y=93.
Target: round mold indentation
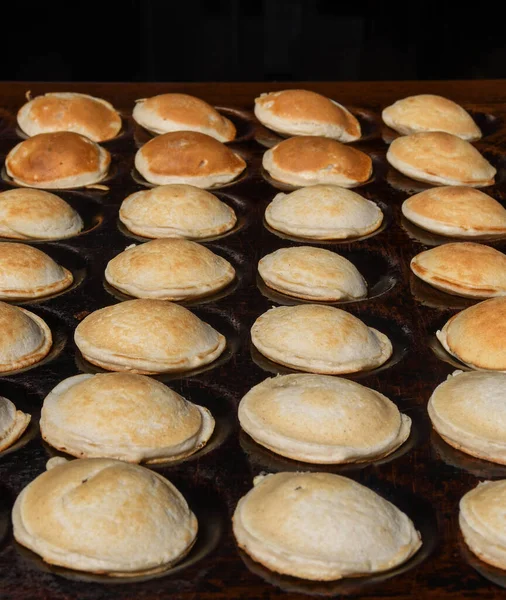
x=489, y=572
x=89, y=209
x=59, y=332
x=387, y=220
x=380, y=274
x=241, y=208
x=487, y=122
x=263, y=459
x=399, y=335
x=429, y=238
x=237, y=262
x=138, y=178
x=218, y=319
x=65, y=256
x=242, y=120
x=483, y=469
x=115, y=171
x=420, y=511
x=434, y=298
x=211, y=516
x=27, y=401
x=370, y=126
x=218, y=402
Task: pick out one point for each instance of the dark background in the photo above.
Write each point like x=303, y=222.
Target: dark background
x=240, y=40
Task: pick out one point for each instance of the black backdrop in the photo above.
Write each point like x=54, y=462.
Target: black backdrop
x=239, y=40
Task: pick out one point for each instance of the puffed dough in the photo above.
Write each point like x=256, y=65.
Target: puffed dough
x=104, y=516
x=125, y=416
x=319, y=339
x=468, y=410
x=464, y=269
x=28, y=214
x=456, y=211
x=180, y=112
x=188, y=157
x=427, y=112
x=302, y=112
x=176, y=211
x=476, y=335
x=92, y=117
x=312, y=160
x=25, y=338
x=26, y=272
x=147, y=336
x=322, y=419
x=322, y=527
x=441, y=159
x=169, y=270
x=323, y=212
x=13, y=423
x=482, y=519
x=312, y=274
x=57, y=161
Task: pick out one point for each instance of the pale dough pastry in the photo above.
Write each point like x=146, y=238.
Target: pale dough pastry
x=25, y=339
x=169, y=270
x=125, y=416
x=322, y=526
x=312, y=274
x=147, y=336
x=28, y=214
x=441, y=159
x=176, y=211
x=13, y=423
x=323, y=212
x=319, y=339
x=26, y=272
x=322, y=419
x=468, y=410
x=104, y=516
x=181, y=112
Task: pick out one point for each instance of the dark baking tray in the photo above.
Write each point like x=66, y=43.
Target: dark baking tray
x=426, y=478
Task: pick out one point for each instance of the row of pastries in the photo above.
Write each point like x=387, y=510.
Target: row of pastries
x=312, y=525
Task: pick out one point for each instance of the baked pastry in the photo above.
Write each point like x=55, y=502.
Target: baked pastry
x=312, y=274
x=26, y=272
x=310, y=160
x=13, y=423
x=57, y=160
x=169, y=270
x=104, y=516
x=176, y=211
x=456, y=211
x=147, y=336
x=322, y=419
x=301, y=112
x=322, y=526
x=476, y=335
x=464, y=269
x=27, y=214
x=427, y=112
x=188, y=157
x=482, y=522
x=323, y=212
x=319, y=339
x=67, y=111
x=180, y=112
x=461, y=408
x=25, y=339
x=120, y=415
x=441, y=159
